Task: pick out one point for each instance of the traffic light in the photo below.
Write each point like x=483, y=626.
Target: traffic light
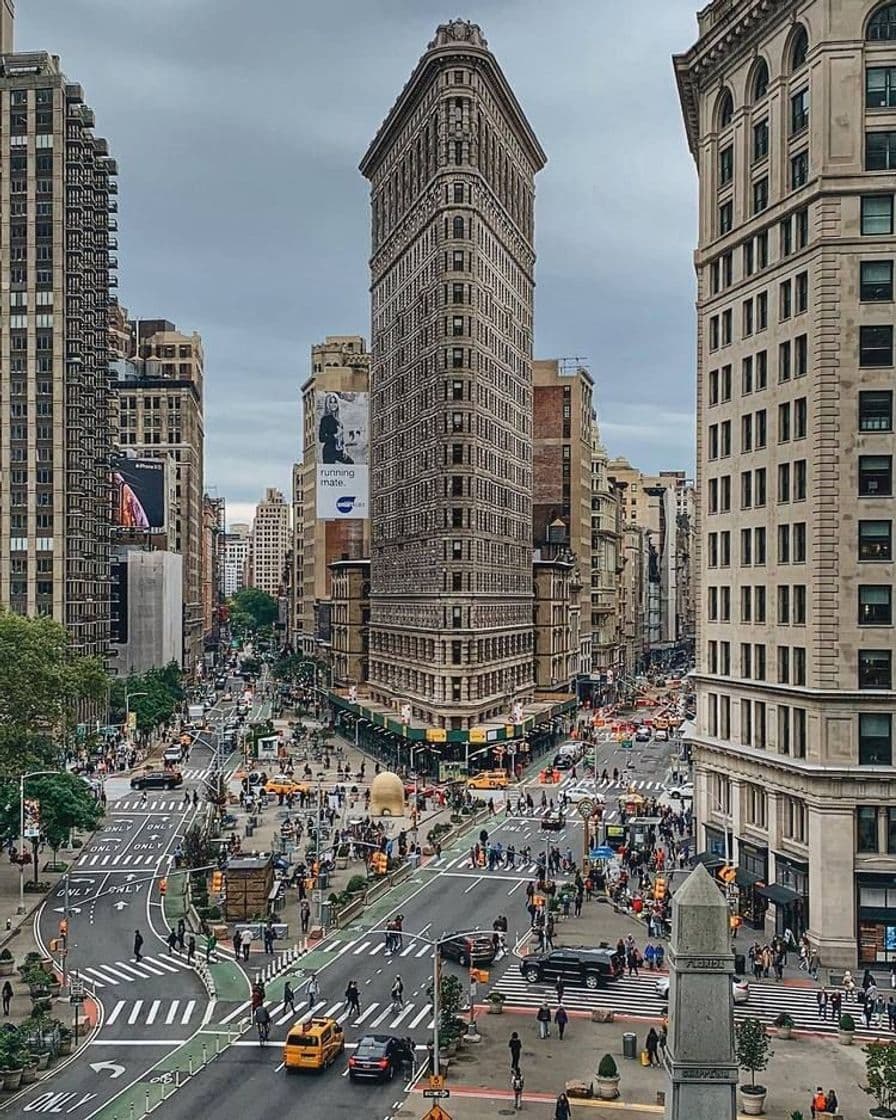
x=63, y=927
x=379, y=863
x=659, y=888
x=163, y=885
x=727, y=874
x=217, y=882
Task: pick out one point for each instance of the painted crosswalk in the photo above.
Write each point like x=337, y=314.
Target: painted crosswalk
x=154, y=1012
x=636, y=995
x=126, y=859
x=124, y=972
x=151, y=805
x=375, y=1015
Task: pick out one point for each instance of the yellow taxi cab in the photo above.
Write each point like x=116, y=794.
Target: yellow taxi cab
x=488, y=779
x=313, y=1044
x=282, y=784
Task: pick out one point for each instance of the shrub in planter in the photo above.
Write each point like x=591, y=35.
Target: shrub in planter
x=356, y=884
x=880, y=1070
x=847, y=1028
x=607, y=1078
x=76, y=843
x=784, y=1024
x=6, y=963
x=495, y=1003
x=752, y=1049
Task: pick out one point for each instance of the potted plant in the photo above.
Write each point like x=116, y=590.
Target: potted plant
x=6, y=962
x=65, y=1038
x=784, y=1024
x=38, y=982
x=29, y=1071
x=495, y=1002
x=12, y=1059
x=880, y=1070
x=752, y=1048
x=846, y=1029
x=607, y=1078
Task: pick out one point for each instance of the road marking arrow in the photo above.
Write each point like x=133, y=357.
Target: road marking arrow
x=121, y=904
x=128, y=878
x=71, y=909
x=114, y=1069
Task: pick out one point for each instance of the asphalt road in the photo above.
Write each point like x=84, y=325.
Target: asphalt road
x=148, y=1007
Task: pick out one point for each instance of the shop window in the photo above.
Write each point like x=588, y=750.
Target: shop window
x=866, y=828
x=875, y=739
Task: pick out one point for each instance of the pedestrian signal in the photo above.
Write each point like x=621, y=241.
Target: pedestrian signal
x=659, y=888
x=63, y=927
x=217, y=882
x=163, y=885
x=727, y=874
x=379, y=863
x=479, y=975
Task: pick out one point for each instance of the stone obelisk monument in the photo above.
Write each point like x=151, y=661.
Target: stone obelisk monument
x=700, y=1045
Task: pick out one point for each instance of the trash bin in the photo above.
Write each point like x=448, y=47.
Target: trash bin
x=630, y=1045
x=740, y=963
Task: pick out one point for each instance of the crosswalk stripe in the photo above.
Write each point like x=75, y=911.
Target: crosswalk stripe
x=403, y=1014
x=96, y=983
x=422, y=952
x=376, y=1022
x=331, y=1011
x=153, y=1011
x=380, y=945
x=116, y=1011
x=360, y=948
x=150, y=968
x=188, y=1011
x=135, y=1012
x=366, y=1014
x=236, y=1011
x=422, y=1015
x=409, y=949
x=160, y=964
x=137, y=974
x=98, y=972
x=172, y=1011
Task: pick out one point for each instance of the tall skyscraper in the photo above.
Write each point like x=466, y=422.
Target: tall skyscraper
x=340, y=365
x=236, y=558
x=452, y=173
x=57, y=217
x=788, y=111
x=159, y=414
x=269, y=543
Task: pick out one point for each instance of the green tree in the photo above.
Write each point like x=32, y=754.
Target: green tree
x=154, y=696
x=880, y=1070
x=752, y=1047
x=42, y=684
x=252, y=610
x=66, y=802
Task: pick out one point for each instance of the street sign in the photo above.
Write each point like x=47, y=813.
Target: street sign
x=585, y=808
x=430, y=1093
x=437, y=1113
x=436, y=1082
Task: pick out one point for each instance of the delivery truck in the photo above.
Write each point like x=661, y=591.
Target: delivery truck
x=196, y=714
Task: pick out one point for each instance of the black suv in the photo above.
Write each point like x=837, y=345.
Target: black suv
x=591, y=967
x=379, y=1056
x=468, y=948
x=157, y=779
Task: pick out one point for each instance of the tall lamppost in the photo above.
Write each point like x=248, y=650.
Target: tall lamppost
x=128, y=696
x=22, y=777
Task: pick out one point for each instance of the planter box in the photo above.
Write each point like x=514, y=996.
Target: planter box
x=845, y=1038
x=7, y=967
x=495, y=1007
x=12, y=1079
x=607, y=1088
x=602, y=1015
x=752, y=1102
x=29, y=1075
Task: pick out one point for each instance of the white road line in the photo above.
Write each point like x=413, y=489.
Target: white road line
x=474, y=884
x=404, y=1013
x=115, y=972
x=150, y=968
x=331, y=1011
x=237, y=1011
x=188, y=1011
x=422, y=952
x=172, y=1011
x=378, y=948
x=515, y=886
x=366, y=1014
x=160, y=964
x=96, y=983
x=106, y=979
x=116, y=1011
x=360, y=948
x=130, y=968
x=153, y=1011
x=385, y=1015
x=104, y=861
x=135, y=1012
x=422, y=1015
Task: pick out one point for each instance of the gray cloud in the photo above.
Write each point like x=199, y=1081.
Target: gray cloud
x=238, y=129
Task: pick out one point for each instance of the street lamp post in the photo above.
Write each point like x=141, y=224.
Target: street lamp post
x=22, y=777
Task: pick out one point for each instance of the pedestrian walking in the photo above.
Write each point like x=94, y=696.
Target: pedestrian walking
x=516, y=1084
x=211, y=943
x=397, y=993
x=246, y=943
x=819, y=1102
x=268, y=935
x=831, y=1104
x=561, y=1019
x=836, y=1005
x=289, y=997
x=172, y=940
x=181, y=934
x=561, y=1109
x=191, y=948
x=237, y=943
x=353, y=998
x=821, y=998
x=515, y=1046
x=313, y=990
x=138, y=945
x=7, y=997
x=305, y=914
x=543, y=1016
x=652, y=1046
x=559, y=988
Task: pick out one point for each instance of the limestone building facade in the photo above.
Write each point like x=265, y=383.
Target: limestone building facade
x=269, y=543
x=790, y=113
x=451, y=173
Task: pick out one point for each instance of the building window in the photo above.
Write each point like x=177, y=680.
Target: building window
x=749, y=266
x=866, y=828
x=876, y=281
x=760, y=140
x=875, y=476
x=876, y=410
x=762, y=248
x=875, y=739
x=760, y=195
x=875, y=670
x=799, y=49
x=761, y=320
x=726, y=165
x=880, y=87
x=799, y=604
x=760, y=80
x=882, y=25
x=799, y=111
x=800, y=418
x=747, y=315
x=799, y=170
x=801, y=292
x=880, y=151
x=786, y=299
x=876, y=346
x=726, y=217
x=875, y=605
x=877, y=215
x=726, y=109
x=876, y=540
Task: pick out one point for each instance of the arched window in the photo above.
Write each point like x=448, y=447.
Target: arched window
x=457, y=227
x=882, y=25
x=760, y=80
x=726, y=109
x=799, y=48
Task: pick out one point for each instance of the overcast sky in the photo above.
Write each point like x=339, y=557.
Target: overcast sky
x=238, y=129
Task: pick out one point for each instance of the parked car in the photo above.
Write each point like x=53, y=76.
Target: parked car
x=740, y=988
x=591, y=968
x=488, y=779
x=681, y=793
x=173, y=755
x=378, y=1056
x=157, y=779
x=581, y=790
x=466, y=949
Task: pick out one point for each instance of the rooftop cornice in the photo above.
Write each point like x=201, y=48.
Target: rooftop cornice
x=735, y=25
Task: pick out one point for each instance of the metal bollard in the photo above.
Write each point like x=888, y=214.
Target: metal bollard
x=204, y=1054
x=190, y=1066
x=132, y=1110
x=177, y=1077
x=146, y=1109
x=217, y=1043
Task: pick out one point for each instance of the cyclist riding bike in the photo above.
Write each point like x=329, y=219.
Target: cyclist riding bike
x=262, y=1019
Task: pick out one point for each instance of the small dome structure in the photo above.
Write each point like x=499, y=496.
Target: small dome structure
x=387, y=795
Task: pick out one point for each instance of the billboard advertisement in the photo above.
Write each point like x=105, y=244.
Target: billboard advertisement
x=31, y=812
x=139, y=486
x=343, y=454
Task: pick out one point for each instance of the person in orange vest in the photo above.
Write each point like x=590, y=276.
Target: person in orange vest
x=819, y=1102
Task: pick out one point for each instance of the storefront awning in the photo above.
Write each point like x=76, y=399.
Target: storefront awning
x=778, y=894
x=709, y=860
x=746, y=878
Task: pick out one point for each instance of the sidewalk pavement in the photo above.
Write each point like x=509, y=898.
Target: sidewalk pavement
x=479, y=1076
